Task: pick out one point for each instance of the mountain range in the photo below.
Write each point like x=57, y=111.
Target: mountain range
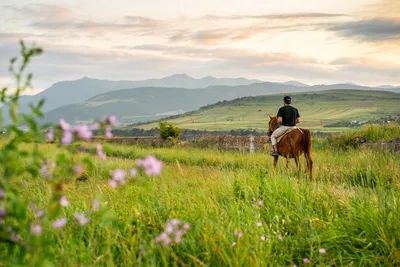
x=135, y=101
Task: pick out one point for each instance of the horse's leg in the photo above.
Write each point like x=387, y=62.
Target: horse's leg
x=296, y=159
x=275, y=161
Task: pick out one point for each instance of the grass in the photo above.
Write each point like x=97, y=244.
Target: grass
x=351, y=209
x=317, y=109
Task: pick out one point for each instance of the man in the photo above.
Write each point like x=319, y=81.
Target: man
x=287, y=117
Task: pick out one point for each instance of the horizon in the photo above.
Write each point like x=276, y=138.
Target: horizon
x=315, y=42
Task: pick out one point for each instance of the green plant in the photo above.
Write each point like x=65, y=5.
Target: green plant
x=168, y=131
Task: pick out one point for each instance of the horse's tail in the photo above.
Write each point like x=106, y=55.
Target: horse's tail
x=307, y=150
x=307, y=140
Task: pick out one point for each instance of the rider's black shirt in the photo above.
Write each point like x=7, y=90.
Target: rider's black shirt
x=289, y=115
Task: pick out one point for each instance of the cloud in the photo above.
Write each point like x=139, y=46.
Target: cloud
x=382, y=9
x=42, y=11
x=369, y=29
x=367, y=66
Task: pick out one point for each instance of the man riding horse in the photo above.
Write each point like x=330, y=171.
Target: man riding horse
x=287, y=118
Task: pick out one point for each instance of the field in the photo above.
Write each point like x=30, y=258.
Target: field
x=348, y=216
x=317, y=109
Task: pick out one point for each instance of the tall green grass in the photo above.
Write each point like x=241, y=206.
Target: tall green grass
x=351, y=210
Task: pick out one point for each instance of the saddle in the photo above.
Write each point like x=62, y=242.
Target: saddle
x=287, y=132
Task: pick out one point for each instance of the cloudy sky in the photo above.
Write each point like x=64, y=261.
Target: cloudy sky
x=313, y=41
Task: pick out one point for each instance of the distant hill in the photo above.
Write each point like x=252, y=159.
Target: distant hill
x=78, y=91
x=296, y=83
x=152, y=103
x=317, y=110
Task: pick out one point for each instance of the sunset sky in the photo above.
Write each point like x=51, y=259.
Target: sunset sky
x=312, y=41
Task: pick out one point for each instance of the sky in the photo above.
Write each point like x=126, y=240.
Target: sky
x=312, y=41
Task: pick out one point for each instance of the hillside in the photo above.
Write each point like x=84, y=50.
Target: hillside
x=78, y=91
x=317, y=109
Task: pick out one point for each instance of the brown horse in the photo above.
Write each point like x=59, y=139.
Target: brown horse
x=293, y=145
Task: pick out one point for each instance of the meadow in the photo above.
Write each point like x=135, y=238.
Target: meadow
x=241, y=212
x=317, y=110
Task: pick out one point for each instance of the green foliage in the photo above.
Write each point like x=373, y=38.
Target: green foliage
x=169, y=131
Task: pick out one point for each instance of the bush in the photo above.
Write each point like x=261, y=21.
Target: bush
x=168, y=131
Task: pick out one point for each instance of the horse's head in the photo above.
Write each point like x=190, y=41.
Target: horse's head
x=272, y=124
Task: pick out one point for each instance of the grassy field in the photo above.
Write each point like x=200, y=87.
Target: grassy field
x=317, y=109
x=350, y=211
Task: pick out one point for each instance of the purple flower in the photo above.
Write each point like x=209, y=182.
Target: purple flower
x=119, y=175
x=305, y=260
x=280, y=237
x=112, y=183
x=83, y=148
x=133, y=172
x=322, y=250
x=240, y=235
x=64, y=201
x=96, y=204
x=64, y=125
x=2, y=213
x=83, y=131
x=151, y=164
x=81, y=218
x=44, y=169
x=60, y=223
x=112, y=120
x=36, y=229
x=259, y=224
x=67, y=138
x=2, y=193
x=77, y=168
x=186, y=226
x=50, y=134
x=260, y=203
x=94, y=126
x=100, y=152
x=163, y=237
x=107, y=131
x=39, y=213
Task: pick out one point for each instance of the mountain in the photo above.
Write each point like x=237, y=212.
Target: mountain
x=296, y=83
x=150, y=103
x=77, y=91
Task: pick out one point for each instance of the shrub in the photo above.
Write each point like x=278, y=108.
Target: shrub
x=168, y=131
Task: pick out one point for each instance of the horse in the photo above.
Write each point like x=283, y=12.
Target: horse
x=293, y=145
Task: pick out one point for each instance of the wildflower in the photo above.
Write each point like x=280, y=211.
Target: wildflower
x=322, y=250
x=119, y=175
x=260, y=203
x=1, y=193
x=67, y=138
x=133, y=172
x=306, y=260
x=151, y=164
x=100, y=152
x=112, y=183
x=240, y=235
x=164, y=238
x=94, y=126
x=107, y=131
x=186, y=226
x=36, y=229
x=81, y=218
x=259, y=224
x=77, y=168
x=60, y=223
x=39, y=213
x=112, y=120
x=64, y=125
x=50, y=134
x=233, y=244
x=83, y=131
x=2, y=213
x=263, y=238
x=96, y=204
x=280, y=237
x=44, y=169
x=14, y=237
x=64, y=201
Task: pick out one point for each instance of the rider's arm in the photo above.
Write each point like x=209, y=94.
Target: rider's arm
x=298, y=120
x=279, y=120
